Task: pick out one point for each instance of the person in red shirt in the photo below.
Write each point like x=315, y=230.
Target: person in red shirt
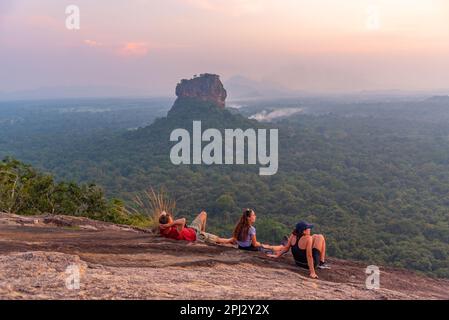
x=177, y=229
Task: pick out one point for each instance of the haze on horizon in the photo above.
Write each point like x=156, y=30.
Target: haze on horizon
x=303, y=45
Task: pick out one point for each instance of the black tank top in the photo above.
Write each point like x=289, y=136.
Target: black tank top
x=299, y=255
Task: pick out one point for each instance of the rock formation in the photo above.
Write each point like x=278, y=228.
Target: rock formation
x=206, y=87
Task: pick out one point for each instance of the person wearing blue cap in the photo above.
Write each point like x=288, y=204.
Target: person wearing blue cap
x=309, y=251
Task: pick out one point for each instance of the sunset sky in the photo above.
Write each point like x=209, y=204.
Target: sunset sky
x=308, y=45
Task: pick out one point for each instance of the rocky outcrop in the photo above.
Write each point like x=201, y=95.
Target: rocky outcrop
x=65, y=222
x=206, y=87
x=38, y=256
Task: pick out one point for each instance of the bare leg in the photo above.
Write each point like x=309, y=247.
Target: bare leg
x=225, y=241
x=276, y=248
x=203, y=218
x=320, y=243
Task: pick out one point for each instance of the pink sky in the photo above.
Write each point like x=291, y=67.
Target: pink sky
x=309, y=45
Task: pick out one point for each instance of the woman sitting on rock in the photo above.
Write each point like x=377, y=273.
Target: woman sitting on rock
x=245, y=233
x=309, y=251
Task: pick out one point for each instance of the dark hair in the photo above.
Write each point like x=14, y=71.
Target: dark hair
x=242, y=228
x=298, y=234
x=163, y=219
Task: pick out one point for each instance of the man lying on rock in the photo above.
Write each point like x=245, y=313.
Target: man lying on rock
x=177, y=229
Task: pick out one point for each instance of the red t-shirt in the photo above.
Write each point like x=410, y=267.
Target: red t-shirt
x=187, y=234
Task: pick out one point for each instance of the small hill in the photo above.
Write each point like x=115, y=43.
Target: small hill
x=202, y=99
x=121, y=262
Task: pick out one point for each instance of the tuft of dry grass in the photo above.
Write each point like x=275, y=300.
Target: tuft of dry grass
x=151, y=203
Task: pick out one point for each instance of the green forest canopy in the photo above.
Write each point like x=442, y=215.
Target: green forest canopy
x=376, y=183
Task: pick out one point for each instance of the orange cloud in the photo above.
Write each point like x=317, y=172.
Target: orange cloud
x=138, y=49
x=42, y=21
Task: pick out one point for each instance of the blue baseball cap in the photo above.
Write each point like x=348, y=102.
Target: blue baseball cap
x=301, y=226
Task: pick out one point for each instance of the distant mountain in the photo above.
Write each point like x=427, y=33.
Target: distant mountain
x=240, y=87
x=439, y=99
